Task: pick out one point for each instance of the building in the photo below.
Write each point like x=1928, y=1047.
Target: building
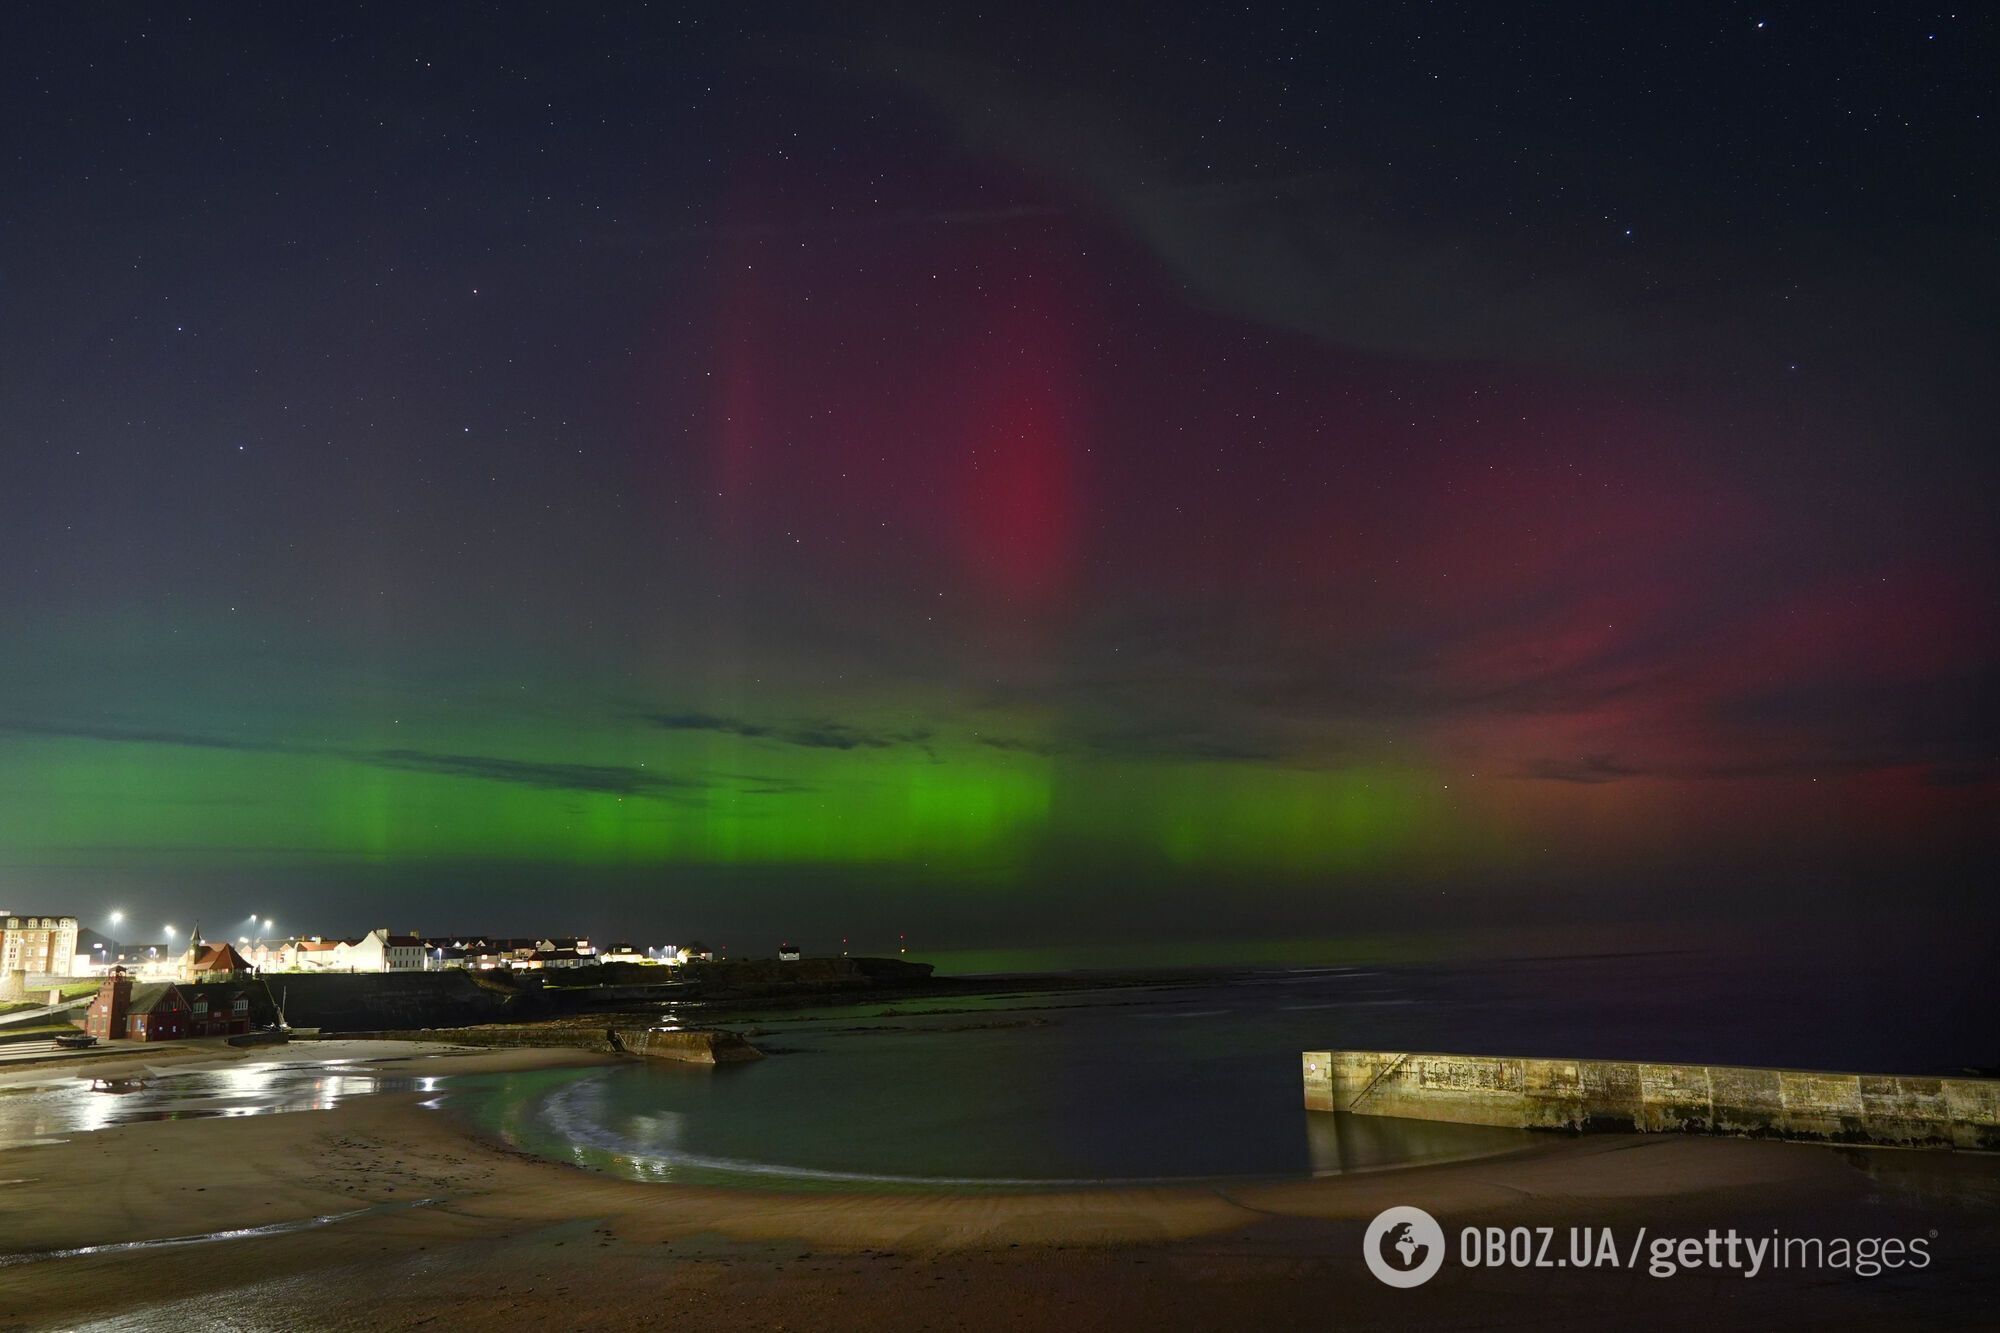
x=625, y=953
x=484, y=953
x=788, y=953
x=220, y=1009
x=313, y=955
x=578, y=946
x=129, y=1010
x=546, y=958
x=94, y=952
x=213, y=962
x=147, y=961
x=37, y=944
x=377, y=951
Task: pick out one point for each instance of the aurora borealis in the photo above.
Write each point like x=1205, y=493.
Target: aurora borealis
x=1001, y=479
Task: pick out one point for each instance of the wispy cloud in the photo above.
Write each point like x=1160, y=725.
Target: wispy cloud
x=816, y=735
x=619, y=779
x=623, y=780
x=1589, y=770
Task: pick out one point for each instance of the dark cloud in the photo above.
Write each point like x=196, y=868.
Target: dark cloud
x=1592, y=768
x=620, y=779
x=1020, y=745
x=815, y=735
x=615, y=778
x=147, y=736
x=1166, y=739
x=706, y=722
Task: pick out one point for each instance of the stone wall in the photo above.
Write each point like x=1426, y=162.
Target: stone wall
x=700, y=1047
x=1581, y=1095
x=383, y=1001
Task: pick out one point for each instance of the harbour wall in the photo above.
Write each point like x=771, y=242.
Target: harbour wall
x=375, y=1002
x=697, y=1047
x=1584, y=1095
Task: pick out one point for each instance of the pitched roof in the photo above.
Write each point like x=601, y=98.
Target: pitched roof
x=148, y=996
x=220, y=958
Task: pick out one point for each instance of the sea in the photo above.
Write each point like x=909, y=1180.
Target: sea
x=1075, y=1081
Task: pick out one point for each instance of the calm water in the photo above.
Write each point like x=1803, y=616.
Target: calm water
x=67, y=1105
x=1186, y=1081
x=1138, y=1082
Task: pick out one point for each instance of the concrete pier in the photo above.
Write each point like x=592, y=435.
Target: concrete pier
x=1580, y=1095
x=696, y=1047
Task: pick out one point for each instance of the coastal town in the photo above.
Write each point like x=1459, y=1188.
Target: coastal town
x=50, y=947
x=67, y=986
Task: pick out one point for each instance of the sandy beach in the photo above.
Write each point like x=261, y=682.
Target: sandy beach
x=424, y=1224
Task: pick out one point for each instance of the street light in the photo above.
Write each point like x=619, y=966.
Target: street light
x=116, y=916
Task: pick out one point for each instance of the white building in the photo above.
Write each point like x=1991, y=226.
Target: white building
x=37, y=944
x=377, y=951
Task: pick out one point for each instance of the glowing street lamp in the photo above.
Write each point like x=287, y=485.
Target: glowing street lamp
x=117, y=916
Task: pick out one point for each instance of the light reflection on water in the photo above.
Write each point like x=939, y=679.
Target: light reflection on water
x=1198, y=1077
x=80, y=1103
x=668, y=1126
x=1139, y=1082
x=1057, y=1089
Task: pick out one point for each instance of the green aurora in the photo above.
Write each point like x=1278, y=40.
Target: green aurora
x=635, y=794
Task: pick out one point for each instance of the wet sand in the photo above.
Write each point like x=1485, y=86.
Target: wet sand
x=436, y=1228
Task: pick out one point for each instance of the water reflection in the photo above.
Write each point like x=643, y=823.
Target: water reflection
x=1023, y=1090
x=695, y=1128
x=52, y=1111
x=1339, y=1143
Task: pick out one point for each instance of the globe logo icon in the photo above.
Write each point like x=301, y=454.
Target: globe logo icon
x=1404, y=1246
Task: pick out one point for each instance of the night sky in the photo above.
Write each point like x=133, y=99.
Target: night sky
x=1108, y=475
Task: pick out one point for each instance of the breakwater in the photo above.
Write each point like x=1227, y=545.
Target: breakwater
x=1584, y=1095
x=701, y=1046
x=375, y=1002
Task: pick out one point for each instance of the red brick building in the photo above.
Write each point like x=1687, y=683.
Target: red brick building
x=171, y=1010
